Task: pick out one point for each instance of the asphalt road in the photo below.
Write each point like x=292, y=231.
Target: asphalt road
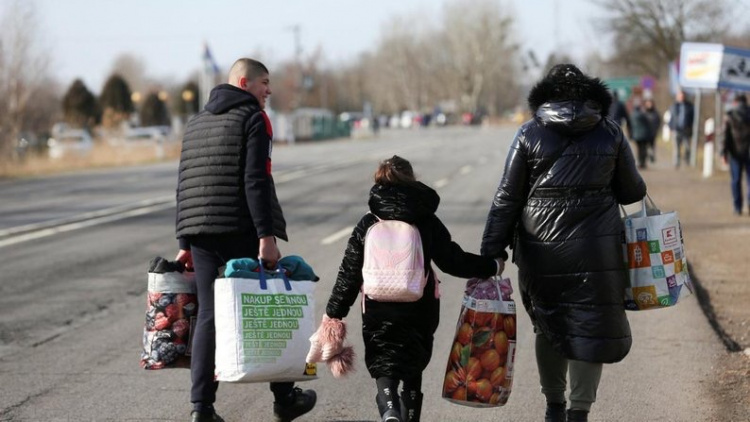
x=74, y=251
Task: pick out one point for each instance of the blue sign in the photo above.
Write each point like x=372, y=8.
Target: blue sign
x=735, y=69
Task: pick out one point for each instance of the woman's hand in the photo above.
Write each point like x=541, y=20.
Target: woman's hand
x=500, y=266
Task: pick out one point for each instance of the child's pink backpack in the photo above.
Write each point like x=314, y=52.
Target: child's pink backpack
x=393, y=269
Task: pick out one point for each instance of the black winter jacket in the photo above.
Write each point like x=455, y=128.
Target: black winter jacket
x=737, y=134
x=225, y=184
x=568, y=250
x=398, y=337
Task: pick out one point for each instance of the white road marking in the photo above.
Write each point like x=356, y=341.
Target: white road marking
x=338, y=235
x=88, y=223
x=33, y=231
x=466, y=169
x=441, y=183
x=88, y=215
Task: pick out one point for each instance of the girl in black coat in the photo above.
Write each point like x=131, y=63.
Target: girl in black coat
x=398, y=337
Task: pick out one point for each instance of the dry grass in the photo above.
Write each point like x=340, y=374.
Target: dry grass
x=102, y=155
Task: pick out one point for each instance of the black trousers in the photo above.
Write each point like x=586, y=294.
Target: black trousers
x=209, y=254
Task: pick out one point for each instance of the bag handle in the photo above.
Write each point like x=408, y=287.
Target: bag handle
x=278, y=271
x=648, y=207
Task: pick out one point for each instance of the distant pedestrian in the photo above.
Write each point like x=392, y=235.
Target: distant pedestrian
x=736, y=149
x=682, y=115
x=654, y=123
x=227, y=208
x=566, y=237
x=641, y=133
x=619, y=113
x=398, y=336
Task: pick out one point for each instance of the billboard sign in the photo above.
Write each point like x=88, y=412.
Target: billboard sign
x=700, y=65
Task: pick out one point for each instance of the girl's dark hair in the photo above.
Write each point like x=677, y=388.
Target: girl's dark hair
x=394, y=171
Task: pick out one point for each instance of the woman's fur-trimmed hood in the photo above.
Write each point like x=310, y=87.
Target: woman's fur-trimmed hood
x=565, y=82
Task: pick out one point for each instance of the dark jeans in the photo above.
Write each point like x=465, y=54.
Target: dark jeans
x=209, y=254
x=642, y=147
x=681, y=140
x=736, y=167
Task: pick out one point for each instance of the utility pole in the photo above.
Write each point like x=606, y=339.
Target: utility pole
x=296, y=29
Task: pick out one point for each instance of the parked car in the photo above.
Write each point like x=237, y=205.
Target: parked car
x=72, y=142
x=141, y=136
x=145, y=135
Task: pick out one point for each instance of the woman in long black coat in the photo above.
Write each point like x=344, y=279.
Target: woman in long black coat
x=398, y=337
x=568, y=234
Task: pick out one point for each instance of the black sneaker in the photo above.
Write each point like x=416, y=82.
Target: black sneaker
x=578, y=415
x=302, y=403
x=391, y=415
x=204, y=417
x=555, y=412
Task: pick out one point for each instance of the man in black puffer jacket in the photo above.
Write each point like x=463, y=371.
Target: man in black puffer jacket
x=227, y=208
x=572, y=274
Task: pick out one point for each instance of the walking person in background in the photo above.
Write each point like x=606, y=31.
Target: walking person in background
x=682, y=115
x=227, y=208
x=735, y=149
x=641, y=133
x=398, y=336
x=557, y=206
x=654, y=123
x=619, y=113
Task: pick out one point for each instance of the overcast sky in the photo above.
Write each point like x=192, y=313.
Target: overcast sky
x=85, y=36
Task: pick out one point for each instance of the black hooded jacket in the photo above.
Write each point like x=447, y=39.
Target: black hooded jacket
x=737, y=133
x=225, y=184
x=572, y=274
x=398, y=337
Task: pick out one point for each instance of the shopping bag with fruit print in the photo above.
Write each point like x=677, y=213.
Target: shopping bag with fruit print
x=655, y=258
x=480, y=365
x=171, y=310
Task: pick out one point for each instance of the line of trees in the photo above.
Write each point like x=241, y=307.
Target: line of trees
x=468, y=59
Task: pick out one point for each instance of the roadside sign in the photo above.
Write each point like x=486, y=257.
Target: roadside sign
x=700, y=65
x=623, y=86
x=735, y=69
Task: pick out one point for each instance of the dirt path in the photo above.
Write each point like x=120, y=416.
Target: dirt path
x=718, y=249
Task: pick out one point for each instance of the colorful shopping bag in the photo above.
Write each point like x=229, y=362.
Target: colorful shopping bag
x=655, y=255
x=263, y=326
x=480, y=364
x=171, y=311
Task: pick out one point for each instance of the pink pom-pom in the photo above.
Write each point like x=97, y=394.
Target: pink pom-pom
x=332, y=331
x=343, y=363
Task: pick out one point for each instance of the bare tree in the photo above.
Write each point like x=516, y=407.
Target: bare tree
x=648, y=34
x=478, y=50
x=23, y=72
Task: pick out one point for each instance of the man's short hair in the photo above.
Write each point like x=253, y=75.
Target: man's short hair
x=248, y=68
x=741, y=98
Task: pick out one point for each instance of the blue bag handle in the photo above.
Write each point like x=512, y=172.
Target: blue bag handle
x=278, y=271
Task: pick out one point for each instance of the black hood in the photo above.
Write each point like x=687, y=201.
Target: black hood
x=569, y=101
x=226, y=97
x=742, y=112
x=409, y=203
